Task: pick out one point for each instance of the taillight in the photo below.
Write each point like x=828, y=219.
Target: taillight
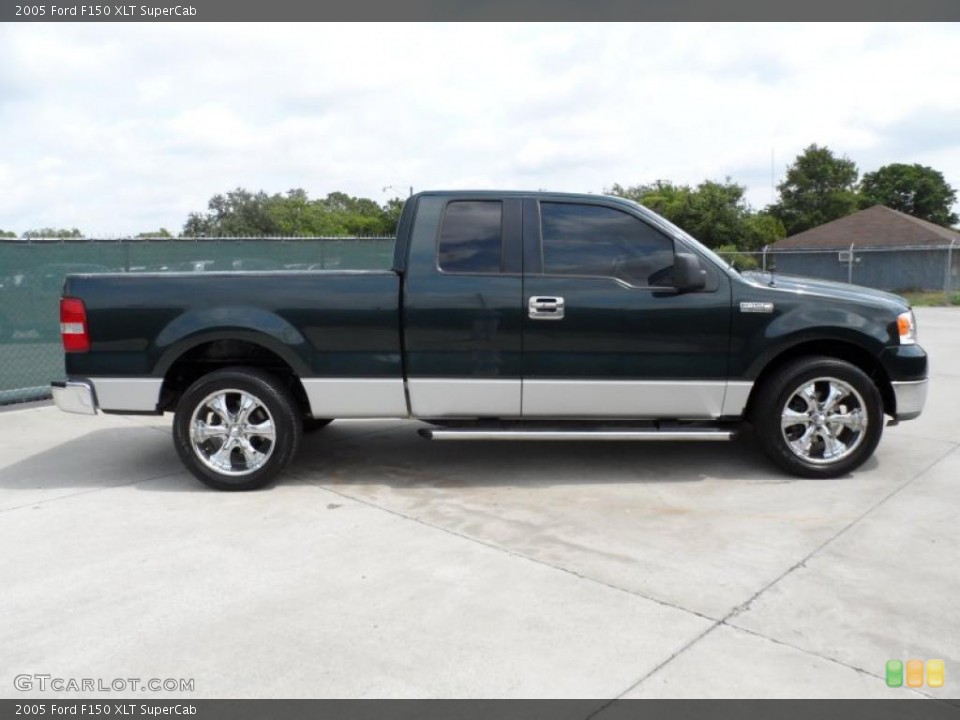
x=73, y=325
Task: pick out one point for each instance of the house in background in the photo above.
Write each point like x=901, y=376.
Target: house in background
x=877, y=247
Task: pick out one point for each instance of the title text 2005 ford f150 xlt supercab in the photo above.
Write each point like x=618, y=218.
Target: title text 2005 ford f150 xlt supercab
x=505, y=316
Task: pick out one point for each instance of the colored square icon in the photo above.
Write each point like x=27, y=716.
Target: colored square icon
x=914, y=673
x=894, y=673
x=935, y=673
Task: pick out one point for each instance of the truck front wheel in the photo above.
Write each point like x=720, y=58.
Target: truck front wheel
x=818, y=417
x=235, y=429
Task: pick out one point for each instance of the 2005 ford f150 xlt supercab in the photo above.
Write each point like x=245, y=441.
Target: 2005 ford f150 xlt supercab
x=506, y=315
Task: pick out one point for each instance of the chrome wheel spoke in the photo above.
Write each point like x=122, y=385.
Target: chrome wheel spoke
x=834, y=394
x=831, y=446
x=202, y=432
x=247, y=405
x=791, y=418
x=804, y=442
x=853, y=420
x=221, y=458
x=253, y=457
x=808, y=394
x=261, y=430
x=219, y=405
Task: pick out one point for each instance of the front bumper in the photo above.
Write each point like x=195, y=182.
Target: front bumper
x=911, y=397
x=907, y=368
x=74, y=396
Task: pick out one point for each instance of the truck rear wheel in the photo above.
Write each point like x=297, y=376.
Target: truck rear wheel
x=818, y=417
x=236, y=428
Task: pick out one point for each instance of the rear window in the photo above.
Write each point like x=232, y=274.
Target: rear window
x=471, y=237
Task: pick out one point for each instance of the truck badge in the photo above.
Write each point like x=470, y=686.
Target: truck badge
x=756, y=307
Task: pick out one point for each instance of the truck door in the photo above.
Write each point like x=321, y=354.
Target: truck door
x=462, y=308
x=604, y=333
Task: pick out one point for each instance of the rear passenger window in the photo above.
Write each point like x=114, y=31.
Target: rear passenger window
x=600, y=241
x=470, y=237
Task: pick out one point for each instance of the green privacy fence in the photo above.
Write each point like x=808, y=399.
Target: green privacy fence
x=32, y=273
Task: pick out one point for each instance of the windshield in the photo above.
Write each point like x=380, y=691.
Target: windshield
x=678, y=231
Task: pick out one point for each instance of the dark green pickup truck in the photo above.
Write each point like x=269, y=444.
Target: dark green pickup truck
x=526, y=316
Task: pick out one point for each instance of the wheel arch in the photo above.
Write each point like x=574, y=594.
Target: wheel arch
x=850, y=352
x=183, y=365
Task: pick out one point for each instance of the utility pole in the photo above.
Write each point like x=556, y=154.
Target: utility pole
x=398, y=189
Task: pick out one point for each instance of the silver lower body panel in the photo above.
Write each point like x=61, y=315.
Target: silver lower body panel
x=686, y=399
x=356, y=397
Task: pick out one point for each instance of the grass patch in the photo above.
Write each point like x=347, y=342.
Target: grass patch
x=930, y=299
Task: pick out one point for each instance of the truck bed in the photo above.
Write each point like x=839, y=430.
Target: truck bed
x=323, y=323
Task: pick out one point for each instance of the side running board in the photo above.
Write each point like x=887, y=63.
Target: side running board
x=540, y=433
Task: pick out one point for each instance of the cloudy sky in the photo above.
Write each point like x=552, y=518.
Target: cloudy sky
x=118, y=129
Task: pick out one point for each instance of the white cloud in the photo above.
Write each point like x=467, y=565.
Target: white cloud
x=121, y=128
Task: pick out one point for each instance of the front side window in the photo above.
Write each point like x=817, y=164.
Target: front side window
x=471, y=237
x=600, y=241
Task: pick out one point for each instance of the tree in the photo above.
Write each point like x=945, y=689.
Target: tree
x=240, y=212
x=915, y=189
x=7, y=234
x=761, y=229
x=819, y=187
x=48, y=232
x=161, y=233
x=715, y=213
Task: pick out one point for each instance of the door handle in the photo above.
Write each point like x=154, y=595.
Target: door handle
x=545, y=308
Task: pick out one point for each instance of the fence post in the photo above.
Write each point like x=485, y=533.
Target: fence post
x=948, y=279
x=850, y=265
x=764, y=257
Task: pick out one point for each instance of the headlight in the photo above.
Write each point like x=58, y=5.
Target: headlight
x=907, y=327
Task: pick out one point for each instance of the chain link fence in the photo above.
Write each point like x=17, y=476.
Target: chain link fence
x=32, y=274
x=930, y=270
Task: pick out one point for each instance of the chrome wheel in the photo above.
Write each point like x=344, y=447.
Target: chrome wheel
x=824, y=421
x=232, y=432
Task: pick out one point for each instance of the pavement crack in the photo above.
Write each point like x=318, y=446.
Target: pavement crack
x=802, y=563
x=815, y=654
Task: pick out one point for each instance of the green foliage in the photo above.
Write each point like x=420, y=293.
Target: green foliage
x=761, y=229
x=819, y=187
x=713, y=212
x=161, y=233
x=7, y=234
x=731, y=254
x=48, y=232
x=915, y=189
x=242, y=213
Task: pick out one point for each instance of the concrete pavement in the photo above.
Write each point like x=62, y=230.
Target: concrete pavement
x=386, y=566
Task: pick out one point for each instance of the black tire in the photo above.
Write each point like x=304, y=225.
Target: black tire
x=236, y=469
x=313, y=424
x=858, y=400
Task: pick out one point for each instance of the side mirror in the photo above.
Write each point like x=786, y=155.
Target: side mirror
x=688, y=275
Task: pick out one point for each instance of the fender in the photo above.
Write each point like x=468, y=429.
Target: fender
x=240, y=322
x=760, y=351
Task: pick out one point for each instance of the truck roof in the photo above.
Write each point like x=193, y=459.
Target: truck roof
x=523, y=194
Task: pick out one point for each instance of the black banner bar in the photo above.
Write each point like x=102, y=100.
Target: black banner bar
x=484, y=709
x=471, y=10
